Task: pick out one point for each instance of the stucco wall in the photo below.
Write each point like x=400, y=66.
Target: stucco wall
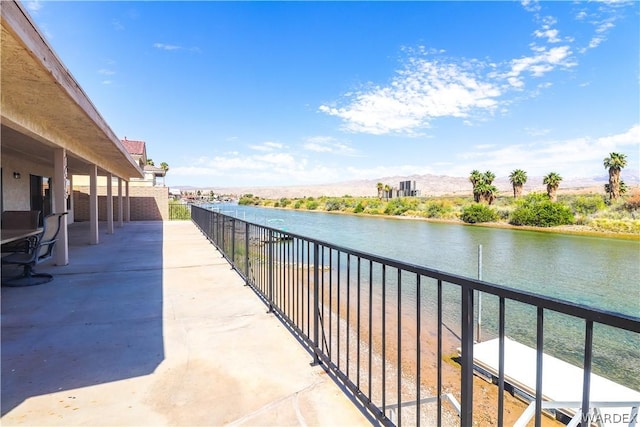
x=146, y=203
x=16, y=192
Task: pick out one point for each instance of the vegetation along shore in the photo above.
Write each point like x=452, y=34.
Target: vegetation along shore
x=614, y=212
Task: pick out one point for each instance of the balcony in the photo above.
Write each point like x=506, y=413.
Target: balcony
x=157, y=326
x=153, y=327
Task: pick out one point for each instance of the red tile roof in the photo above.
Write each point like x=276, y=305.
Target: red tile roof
x=134, y=147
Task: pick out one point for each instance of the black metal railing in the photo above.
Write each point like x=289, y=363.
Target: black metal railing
x=385, y=328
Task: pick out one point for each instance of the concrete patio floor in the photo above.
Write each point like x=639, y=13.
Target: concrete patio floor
x=153, y=327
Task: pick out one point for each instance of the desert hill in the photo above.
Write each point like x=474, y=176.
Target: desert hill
x=429, y=185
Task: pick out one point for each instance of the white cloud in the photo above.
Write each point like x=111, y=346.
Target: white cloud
x=576, y=157
x=163, y=46
x=106, y=72
x=542, y=62
x=603, y=19
x=267, y=169
x=423, y=90
x=615, y=142
x=267, y=146
x=537, y=131
x=549, y=34
x=531, y=5
x=430, y=86
x=34, y=6
x=571, y=158
x=321, y=144
x=117, y=25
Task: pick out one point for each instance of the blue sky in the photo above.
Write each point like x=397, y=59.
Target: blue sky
x=293, y=93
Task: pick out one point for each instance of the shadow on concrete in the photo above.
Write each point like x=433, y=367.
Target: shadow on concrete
x=99, y=320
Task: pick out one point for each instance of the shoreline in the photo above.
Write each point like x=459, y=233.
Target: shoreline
x=575, y=230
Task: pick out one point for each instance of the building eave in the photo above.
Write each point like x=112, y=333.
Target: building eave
x=44, y=107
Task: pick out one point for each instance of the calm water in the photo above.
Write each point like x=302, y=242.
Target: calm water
x=595, y=271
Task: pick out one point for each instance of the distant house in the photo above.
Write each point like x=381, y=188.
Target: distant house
x=148, y=195
x=138, y=151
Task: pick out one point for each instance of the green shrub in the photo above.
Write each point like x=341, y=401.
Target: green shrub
x=503, y=214
x=284, y=202
x=333, y=205
x=297, y=204
x=311, y=204
x=373, y=204
x=245, y=200
x=400, y=206
x=437, y=209
x=587, y=205
x=359, y=208
x=537, y=210
x=478, y=212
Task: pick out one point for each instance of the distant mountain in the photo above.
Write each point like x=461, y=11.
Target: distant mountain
x=429, y=185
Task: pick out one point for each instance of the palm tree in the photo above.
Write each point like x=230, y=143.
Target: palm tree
x=387, y=190
x=475, y=178
x=615, y=163
x=380, y=186
x=150, y=162
x=552, y=180
x=518, y=178
x=487, y=192
x=483, y=190
x=488, y=177
x=623, y=188
x=164, y=166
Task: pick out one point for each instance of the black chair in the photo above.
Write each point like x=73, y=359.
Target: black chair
x=40, y=250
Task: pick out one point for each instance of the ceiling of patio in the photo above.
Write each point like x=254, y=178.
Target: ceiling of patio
x=44, y=108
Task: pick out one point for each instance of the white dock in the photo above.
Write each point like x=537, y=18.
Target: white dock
x=616, y=404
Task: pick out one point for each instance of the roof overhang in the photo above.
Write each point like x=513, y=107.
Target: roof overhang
x=43, y=107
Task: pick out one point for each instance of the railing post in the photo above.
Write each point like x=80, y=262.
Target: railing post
x=233, y=242
x=586, y=381
x=466, y=389
x=270, y=270
x=214, y=231
x=223, y=237
x=246, y=251
x=316, y=304
x=479, y=331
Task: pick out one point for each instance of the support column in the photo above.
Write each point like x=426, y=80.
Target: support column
x=60, y=203
x=120, y=200
x=93, y=205
x=127, y=202
x=110, y=203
